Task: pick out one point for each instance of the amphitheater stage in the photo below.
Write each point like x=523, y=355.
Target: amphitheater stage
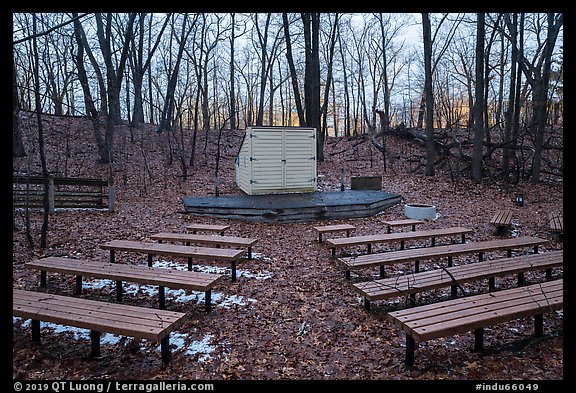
x=288, y=208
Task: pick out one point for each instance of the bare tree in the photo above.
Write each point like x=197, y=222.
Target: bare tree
x=479, y=101
x=430, y=149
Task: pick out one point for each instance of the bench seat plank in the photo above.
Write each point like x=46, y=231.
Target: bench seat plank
x=97, y=316
x=556, y=222
x=409, y=284
x=403, y=222
x=172, y=278
x=174, y=250
x=450, y=250
x=230, y=241
x=397, y=237
x=502, y=218
x=134, y=321
x=332, y=229
x=461, y=315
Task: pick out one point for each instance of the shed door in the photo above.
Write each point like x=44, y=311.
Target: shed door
x=267, y=166
x=299, y=159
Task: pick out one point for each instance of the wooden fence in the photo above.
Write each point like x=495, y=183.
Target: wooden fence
x=63, y=192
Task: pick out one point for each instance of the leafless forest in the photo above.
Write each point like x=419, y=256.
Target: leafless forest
x=464, y=114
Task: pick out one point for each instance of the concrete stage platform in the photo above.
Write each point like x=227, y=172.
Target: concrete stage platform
x=286, y=208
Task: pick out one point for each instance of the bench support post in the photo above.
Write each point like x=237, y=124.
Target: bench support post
x=78, y=284
x=410, y=346
x=112, y=256
x=454, y=290
x=478, y=339
x=412, y=299
x=416, y=266
x=401, y=244
x=118, y=291
x=536, y=249
x=43, y=278
x=549, y=274
x=491, y=284
x=319, y=237
x=450, y=261
x=382, y=271
x=463, y=238
x=150, y=260
x=369, y=248
x=208, y=300
x=249, y=252
x=35, y=331
x=521, y=279
x=433, y=241
x=347, y=274
x=233, y=270
x=366, y=304
x=165, y=349
x=161, y=297
x=94, y=343
x=539, y=325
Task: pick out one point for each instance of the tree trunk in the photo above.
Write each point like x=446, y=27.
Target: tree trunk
x=430, y=149
x=479, y=104
x=18, y=149
x=294, y=76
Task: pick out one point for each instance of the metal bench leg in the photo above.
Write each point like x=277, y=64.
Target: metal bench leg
x=412, y=299
x=410, y=346
x=319, y=237
x=333, y=251
x=539, y=325
x=208, y=300
x=347, y=274
x=478, y=339
x=189, y=264
x=369, y=248
x=450, y=261
x=35, y=331
x=549, y=274
x=233, y=270
x=78, y=285
x=382, y=271
x=463, y=239
x=43, y=278
x=536, y=249
x=118, y=291
x=491, y=284
x=161, y=297
x=165, y=349
x=94, y=343
x=417, y=266
x=150, y=260
x=480, y=257
x=401, y=244
x=366, y=304
x=249, y=252
x=433, y=241
x=454, y=290
x=521, y=279
x=112, y=256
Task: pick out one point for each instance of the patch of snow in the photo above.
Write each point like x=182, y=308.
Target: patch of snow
x=180, y=341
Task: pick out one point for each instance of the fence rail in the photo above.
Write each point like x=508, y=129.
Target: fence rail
x=63, y=192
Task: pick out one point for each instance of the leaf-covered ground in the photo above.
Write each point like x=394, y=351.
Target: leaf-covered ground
x=291, y=314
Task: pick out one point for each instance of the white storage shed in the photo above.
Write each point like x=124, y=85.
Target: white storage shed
x=277, y=160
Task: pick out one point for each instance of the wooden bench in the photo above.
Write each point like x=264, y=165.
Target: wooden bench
x=333, y=229
x=194, y=228
x=411, y=284
x=473, y=313
x=231, y=255
x=402, y=237
x=556, y=222
x=402, y=223
x=449, y=251
x=99, y=317
x=188, y=238
x=172, y=278
x=501, y=219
